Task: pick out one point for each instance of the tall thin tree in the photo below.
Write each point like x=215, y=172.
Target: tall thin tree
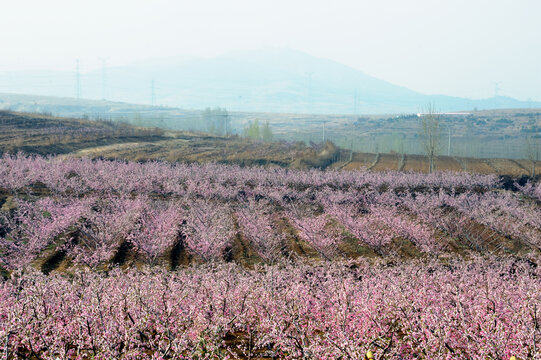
x=430, y=133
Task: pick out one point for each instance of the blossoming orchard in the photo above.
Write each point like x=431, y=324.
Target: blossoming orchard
x=125, y=260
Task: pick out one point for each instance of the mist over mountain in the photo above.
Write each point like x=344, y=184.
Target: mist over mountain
x=271, y=80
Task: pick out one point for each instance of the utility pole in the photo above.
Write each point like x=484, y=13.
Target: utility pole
x=449, y=146
x=152, y=93
x=104, y=78
x=226, y=117
x=77, y=80
x=324, y=122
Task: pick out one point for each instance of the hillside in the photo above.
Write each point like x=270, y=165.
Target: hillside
x=48, y=135
x=44, y=134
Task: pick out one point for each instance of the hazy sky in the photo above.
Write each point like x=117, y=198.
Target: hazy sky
x=455, y=47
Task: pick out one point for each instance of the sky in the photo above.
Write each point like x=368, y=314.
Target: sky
x=468, y=48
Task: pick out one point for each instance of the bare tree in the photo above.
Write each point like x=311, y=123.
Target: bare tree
x=430, y=133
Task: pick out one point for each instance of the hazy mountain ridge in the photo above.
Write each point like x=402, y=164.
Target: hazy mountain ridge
x=273, y=80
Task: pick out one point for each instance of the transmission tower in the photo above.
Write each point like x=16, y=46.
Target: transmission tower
x=355, y=103
x=497, y=93
x=497, y=88
x=78, y=90
x=104, y=78
x=152, y=93
x=309, y=91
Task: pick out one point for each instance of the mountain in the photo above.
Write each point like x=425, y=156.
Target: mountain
x=272, y=80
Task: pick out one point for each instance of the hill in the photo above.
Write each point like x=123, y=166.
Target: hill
x=274, y=80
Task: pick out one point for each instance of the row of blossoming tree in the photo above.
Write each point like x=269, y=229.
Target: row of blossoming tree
x=319, y=273
x=88, y=209
x=478, y=309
